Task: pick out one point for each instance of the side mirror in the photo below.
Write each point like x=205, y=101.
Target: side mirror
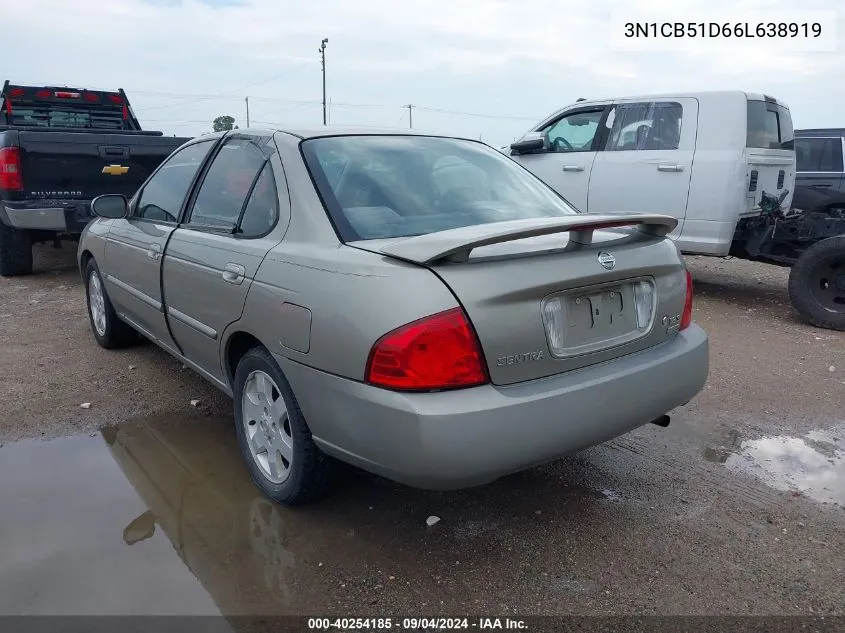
x=141, y=528
x=531, y=142
x=113, y=206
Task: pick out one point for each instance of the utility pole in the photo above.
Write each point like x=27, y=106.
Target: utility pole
x=410, y=107
x=323, y=62
x=247, y=110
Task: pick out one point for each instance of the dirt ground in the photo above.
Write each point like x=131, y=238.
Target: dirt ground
x=737, y=508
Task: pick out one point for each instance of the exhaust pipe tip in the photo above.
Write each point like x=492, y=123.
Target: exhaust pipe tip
x=663, y=421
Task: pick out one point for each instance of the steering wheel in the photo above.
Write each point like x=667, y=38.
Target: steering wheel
x=561, y=144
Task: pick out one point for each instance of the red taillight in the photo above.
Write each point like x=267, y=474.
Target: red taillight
x=16, y=92
x=91, y=97
x=115, y=99
x=438, y=352
x=686, y=317
x=10, y=169
x=66, y=95
x=43, y=94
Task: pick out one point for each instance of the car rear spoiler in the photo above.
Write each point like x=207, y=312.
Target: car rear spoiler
x=456, y=244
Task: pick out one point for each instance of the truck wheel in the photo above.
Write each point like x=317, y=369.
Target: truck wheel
x=15, y=252
x=817, y=284
x=108, y=329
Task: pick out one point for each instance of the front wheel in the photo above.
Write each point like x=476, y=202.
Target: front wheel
x=274, y=439
x=817, y=284
x=108, y=329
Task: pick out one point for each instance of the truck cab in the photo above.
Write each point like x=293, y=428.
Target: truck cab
x=705, y=158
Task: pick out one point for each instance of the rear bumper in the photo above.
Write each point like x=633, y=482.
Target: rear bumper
x=469, y=437
x=61, y=216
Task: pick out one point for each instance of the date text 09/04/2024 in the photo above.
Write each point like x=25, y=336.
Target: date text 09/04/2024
x=414, y=624
x=734, y=30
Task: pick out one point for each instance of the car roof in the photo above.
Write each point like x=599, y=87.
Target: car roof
x=335, y=130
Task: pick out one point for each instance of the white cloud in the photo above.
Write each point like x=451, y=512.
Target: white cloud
x=490, y=56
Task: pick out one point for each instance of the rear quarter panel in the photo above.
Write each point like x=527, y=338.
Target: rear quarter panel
x=352, y=297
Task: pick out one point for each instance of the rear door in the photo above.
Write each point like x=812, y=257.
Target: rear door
x=647, y=159
x=567, y=165
x=213, y=256
x=770, y=152
x=135, y=245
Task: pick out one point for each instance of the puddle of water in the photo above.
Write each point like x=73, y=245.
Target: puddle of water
x=813, y=465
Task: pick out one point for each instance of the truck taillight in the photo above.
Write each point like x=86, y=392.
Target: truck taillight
x=686, y=317
x=10, y=169
x=61, y=94
x=438, y=352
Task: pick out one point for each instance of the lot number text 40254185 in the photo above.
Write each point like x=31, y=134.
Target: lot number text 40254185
x=414, y=624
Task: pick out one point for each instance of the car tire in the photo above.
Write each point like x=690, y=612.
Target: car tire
x=15, y=252
x=109, y=331
x=813, y=281
x=270, y=417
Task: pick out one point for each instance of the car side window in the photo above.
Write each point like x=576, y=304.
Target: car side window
x=574, y=132
x=262, y=209
x=226, y=185
x=645, y=126
x=162, y=197
x=818, y=154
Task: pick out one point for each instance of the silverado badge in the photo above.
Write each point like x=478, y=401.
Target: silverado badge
x=115, y=170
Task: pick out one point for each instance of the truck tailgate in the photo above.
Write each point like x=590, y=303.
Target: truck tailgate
x=83, y=165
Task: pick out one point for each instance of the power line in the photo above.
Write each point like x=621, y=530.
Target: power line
x=225, y=94
x=477, y=114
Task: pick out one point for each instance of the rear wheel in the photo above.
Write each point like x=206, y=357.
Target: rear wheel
x=108, y=329
x=274, y=439
x=15, y=252
x=817, y=284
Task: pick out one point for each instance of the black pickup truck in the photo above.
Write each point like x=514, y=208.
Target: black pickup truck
x=59, y=149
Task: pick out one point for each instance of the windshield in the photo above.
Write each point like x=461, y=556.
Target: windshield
x=398, y=186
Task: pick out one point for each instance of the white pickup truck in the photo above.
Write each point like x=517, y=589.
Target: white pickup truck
x=722, y=163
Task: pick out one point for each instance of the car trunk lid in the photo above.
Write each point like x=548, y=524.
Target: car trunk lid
x=543, y=303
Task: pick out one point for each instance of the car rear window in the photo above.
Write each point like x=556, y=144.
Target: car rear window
x=769, y=126
x=398, y=186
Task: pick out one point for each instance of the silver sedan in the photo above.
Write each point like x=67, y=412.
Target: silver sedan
x=418, y=306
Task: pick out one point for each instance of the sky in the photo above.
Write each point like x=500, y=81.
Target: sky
x=485, y=69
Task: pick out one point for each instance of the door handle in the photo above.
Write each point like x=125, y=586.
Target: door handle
x=822, y=186
x=233, y=273
x=573, y=168
x=154, y=251
x=670, y=168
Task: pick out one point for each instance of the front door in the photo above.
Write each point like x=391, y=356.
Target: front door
x=135, y=245
x=567, y=164
x=213, y=256
x=646, y=161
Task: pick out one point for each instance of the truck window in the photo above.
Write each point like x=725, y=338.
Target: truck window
x=574, y=132
x=819, y=154
x=769, y=126
x=645, y=126
x=47, y=117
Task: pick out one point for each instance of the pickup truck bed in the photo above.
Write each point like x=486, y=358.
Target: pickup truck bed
x=51, y=170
